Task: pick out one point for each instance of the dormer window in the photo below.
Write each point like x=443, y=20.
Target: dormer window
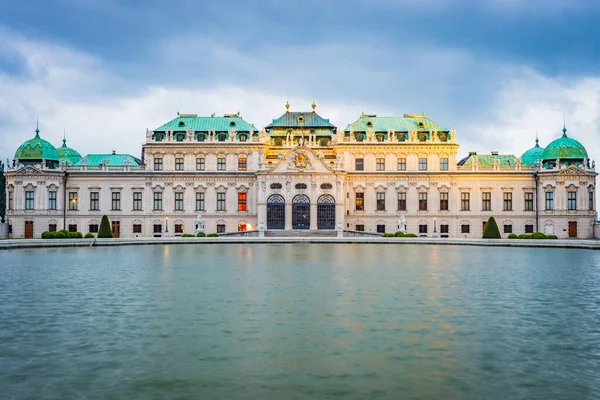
x=221, y=137
x=243, y=137
x=201, y=137
x=301, y=119
x=158, y=136
x=180, y=137
x=181, y=124
x=380, y=137
x=369, y=124
x=232, y=124
x=421, y=125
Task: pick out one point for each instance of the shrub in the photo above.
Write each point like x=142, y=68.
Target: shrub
x=66, y=232
x=47, y=235
x=512, y=236
x=72, y=235
x=89, y=235
x=538, y=235
x=399, y=234
x=212, y=235
x=200, y=234
x=491, y=230
x=389, y=235
x=104, y=230
x=187, y=235
x=60, y=235
x=524, y=236
x=551, y=237
x=410, y=235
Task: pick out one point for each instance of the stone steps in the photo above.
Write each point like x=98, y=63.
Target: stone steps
x=300, y=233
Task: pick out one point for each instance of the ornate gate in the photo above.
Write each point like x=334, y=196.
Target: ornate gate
x=275, y=212
x=326, y=212
x=301, y=212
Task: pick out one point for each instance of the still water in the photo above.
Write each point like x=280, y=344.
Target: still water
x=300, y=322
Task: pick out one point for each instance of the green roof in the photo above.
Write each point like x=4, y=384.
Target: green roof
x=112, y=160
x=295, y=119
x=36, y=149
x=564, y=148
x=418, y=122
x=534, y=154
x=205, y=124
x=506, y=160
x=66, y=153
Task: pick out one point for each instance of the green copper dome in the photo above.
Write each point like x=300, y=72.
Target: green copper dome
x=33, y=151
x=534, y=154
x=68, y=154
x=564, y=148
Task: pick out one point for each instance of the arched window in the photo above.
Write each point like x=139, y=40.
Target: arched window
x=275, y=212
x=326, y=212
x=221, y=137
x=201, y=137
x=301, y=212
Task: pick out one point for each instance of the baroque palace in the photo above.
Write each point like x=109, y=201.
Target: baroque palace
x=300, y=172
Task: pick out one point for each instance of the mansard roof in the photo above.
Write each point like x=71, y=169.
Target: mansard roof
x=409, y=122
x=184, y=122
x=298, y=119
x=487, y=160
x=111, y=160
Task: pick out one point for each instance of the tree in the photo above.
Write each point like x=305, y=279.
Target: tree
x=491, y=230
x=104, y=231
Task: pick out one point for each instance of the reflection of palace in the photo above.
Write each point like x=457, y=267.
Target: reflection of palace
x=301, y=172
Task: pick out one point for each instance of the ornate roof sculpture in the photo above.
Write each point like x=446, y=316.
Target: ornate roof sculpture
x=37, y=150
x=564, y=150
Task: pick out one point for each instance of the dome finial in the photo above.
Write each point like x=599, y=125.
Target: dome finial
x=37, y=125
x=564, y=129
x=313, y=105
x=537, y=139
x=64, y=137
x=287, y=106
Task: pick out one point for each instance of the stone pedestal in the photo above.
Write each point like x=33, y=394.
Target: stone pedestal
x=4, y=231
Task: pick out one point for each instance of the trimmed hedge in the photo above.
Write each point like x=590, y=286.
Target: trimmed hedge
x=89, y=235
x=551, y=237
x=48, y=235
x=74, y=235
x=104, y=231
x=212, y=235
x=187, y=235
x=399, y=234
x=410, y=235
x=389, y=235
x=491, y=230
x=524, y=236
x=512, y=236
x=60, y=235
x=200, y=234
x=538, y=235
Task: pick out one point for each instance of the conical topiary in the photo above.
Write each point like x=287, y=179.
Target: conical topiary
x=104, y=230
x=491, y=230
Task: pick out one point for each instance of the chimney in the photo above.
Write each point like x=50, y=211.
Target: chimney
x=472, y=153
x=114, y=152
x=494, y=153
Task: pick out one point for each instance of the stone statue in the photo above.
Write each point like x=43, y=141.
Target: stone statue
x=402, y=224
x=593, y=164
x=261, y=226
x=340, y=230
x=200, y=224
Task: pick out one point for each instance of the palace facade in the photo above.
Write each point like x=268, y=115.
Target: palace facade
x=300, y=172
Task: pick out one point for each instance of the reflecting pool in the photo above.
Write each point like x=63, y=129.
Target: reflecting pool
x=300, y=322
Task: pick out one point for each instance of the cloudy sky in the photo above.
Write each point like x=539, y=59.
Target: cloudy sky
x=104, y=71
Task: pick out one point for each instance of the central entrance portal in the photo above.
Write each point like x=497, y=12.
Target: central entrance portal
x=301, y=212
x=326, y=212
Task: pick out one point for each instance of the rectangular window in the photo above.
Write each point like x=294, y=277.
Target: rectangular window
x=199, y=201
x=360, y=228
x=402, y=164
x=157, y=228
x=73, y=228
x=380, y=164
x=549, y=200
x=178, y=228
x=94, y=201
x=179, y=164
x=11, y=200
x=51, y=200
x=507, y=228
x=178, y=201
x=359, y=164
x=116, y=201
x=401, y=201
x=507, y=201
x=529, y=228
x=158, y=164
x=137, y=201
x=444, y=201
x=443, y=164
x=157, y=201
x=422, y=201
x=200, y=164
x=422, y=164
x=29, y=200
x=93, y=228
x=465, y=201
x=591, y=200
x=380, y=228
x=528, y=201
x=242, y=201
x=465, y=228
x=72, y=201
x=360, y=201
x=572, y=200
x=221, y=163
x=380, y=201
x=423, y=228
x=486, y=201
x=444, y=228
x=220, y=228
x=242, y=164
x=220, y=201
x=51, y=227
x=137, y=228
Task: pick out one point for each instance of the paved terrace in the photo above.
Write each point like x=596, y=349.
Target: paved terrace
x=591, y=244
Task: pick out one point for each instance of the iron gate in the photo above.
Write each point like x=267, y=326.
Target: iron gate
x=326, y=212
x=301, y=212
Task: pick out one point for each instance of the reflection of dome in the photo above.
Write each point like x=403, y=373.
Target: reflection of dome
x=534, y=154
x=33, y=151
x=67, y=153
x=567, y=150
